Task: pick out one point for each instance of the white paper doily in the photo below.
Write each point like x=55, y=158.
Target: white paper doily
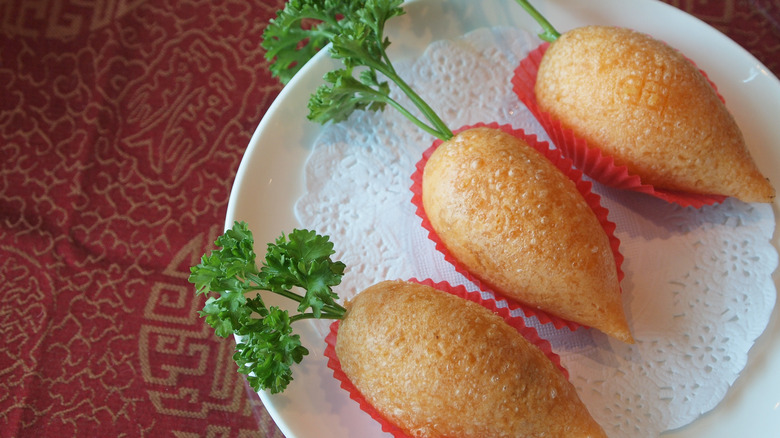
x=698, y=289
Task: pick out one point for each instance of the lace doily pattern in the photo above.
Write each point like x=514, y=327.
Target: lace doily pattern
x=697, y=287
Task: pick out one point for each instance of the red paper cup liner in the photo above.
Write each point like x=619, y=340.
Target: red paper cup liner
x=593, y=163
x=562, y=163
x=515, y=321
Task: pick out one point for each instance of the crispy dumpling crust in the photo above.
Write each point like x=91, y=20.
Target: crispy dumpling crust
x=437, y=365
x=647, y=106
x=520, y=225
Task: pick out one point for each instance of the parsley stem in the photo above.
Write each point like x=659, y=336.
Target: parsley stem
x=329, y=311
x=347, y=49
x=549, y=34
x=285, y=293
x=440, y=129
x=385, y=66
x=444, y=135
x=323, y=315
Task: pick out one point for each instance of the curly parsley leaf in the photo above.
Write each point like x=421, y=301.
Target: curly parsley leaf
x=267, y=348
x=302, y=259
x=300, y=30
x=355, y=31
x=345, y=94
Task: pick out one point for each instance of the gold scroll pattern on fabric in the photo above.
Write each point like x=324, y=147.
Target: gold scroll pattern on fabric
x=122, y=124
x=59, y=19
x=176, y=348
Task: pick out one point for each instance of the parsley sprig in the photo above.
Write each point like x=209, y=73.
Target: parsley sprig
x=355, y=31
x=548, y=33
x=267, y=348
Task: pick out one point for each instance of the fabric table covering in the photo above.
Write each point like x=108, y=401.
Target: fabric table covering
x=122, y=125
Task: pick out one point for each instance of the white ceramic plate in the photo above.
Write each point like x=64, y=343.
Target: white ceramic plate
x=269, y=181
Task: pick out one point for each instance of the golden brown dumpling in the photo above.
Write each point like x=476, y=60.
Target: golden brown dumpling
x=517, y=223
x=437, y=365
x=642, y=103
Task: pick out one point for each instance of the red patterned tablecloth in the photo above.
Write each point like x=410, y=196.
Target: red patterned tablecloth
x=122, y=124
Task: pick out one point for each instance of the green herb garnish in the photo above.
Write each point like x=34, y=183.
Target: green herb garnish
x=355, y=31
x=267, y=348
x=548, y=33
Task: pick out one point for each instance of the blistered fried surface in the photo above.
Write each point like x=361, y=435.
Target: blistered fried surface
x=440, y=366
x=518, y=223
x=644, y=104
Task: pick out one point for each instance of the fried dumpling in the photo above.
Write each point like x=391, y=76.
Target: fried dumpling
x=437, y=365
x=518, y=224
x=645, y=105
